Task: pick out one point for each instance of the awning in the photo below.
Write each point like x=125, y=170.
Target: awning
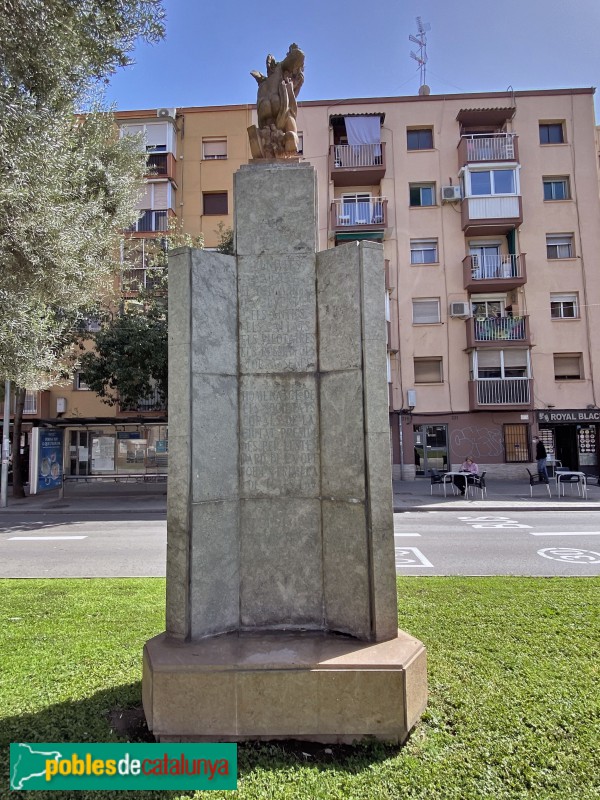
x=485, y=116
x=373, y=236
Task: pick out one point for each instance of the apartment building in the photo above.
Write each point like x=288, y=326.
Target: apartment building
x=488, y=209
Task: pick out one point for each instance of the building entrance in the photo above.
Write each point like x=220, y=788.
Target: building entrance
x=431, y=448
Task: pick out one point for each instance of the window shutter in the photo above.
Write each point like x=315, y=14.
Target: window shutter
x=214, y=149
x=425, y=311
x=156, y=134
x=161, y=196
x=428, y=370
x=488, y=358
x=515, y=358
x=146, y=200
x=567, y=365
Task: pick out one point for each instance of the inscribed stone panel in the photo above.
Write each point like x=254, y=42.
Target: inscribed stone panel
x=277, y=308
x=214, y=313
x=279, y=449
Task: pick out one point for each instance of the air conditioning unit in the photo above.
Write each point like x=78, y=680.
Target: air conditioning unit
x=462, y=309
x=450, y=194
x=166, y=113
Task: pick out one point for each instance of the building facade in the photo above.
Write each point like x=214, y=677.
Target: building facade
x=488, y=209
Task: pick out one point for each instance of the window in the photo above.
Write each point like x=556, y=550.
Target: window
x=423, y=251
x=428, y=370
x=214, y=149
x=419, y=139
x=551, y=133
x=556, y=189
x=516, y=442
x=493, y=181
x=80, y=383
x=559, y=245
x=422, y=194
x=567, y=367
x=214, y=203
x=426, y=310
x=500, y=364
x=564, y=306
x=300, y=142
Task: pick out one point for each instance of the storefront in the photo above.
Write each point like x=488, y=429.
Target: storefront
x=571, y=436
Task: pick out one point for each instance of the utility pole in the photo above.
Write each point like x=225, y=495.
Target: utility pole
x=5, y=447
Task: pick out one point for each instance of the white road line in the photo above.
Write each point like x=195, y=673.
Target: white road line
x=398, y=535
x=411, y=554
x=564, y=533
x=42, y=538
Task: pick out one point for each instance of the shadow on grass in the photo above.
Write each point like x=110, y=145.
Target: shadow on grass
x=116, y=715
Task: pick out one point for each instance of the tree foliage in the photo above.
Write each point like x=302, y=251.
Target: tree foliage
x=69, y=184
x=129, y=361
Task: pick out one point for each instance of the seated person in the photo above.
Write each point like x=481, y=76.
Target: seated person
x=469, y=466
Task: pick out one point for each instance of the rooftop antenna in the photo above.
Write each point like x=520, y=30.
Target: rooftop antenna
x=421, y=40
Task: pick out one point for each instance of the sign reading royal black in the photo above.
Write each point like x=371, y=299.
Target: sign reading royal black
x=569, y=415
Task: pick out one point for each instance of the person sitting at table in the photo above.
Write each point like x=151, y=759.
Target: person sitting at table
x=468, y=466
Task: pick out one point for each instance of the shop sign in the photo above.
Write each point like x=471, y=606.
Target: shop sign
x=128, y=435
x=50, y=460
x=569, y=415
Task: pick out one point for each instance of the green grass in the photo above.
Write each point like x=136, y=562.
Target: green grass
x=514, y=681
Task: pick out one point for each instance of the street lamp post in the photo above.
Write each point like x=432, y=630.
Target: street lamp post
x=5, y=447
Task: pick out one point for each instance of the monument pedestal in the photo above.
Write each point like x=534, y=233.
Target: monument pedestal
x=282, y=616
x=259, y=686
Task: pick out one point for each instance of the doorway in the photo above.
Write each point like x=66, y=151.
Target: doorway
x=431, y=448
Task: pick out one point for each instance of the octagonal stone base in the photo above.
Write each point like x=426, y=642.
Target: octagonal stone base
x=262, y=686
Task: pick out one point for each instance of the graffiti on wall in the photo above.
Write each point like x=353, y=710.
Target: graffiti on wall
x=481, y=443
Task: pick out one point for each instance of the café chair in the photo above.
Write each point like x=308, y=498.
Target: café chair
x=537, y=480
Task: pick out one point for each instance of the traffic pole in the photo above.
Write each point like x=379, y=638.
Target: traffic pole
x=5, y=447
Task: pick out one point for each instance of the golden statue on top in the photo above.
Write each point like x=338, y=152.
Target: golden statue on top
x=277, y=134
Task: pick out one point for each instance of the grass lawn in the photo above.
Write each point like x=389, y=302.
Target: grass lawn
x=514, y=681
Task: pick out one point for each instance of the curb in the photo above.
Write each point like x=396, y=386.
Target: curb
x=513, y=509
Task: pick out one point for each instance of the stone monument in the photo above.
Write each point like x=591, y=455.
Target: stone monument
x=281, y=595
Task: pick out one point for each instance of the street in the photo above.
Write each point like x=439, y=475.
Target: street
x=97, y=545
x=540, y=543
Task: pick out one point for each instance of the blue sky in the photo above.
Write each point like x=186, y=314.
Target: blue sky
x=361, y=49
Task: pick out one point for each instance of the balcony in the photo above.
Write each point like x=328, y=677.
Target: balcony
x=154, y=403
x=161, y=165
x=489, y=214
x=491, y=331
x=494, y=273
x=151, y=221
x=478, y=148
x=368, y=217
x=500, y=393
x=356, y=164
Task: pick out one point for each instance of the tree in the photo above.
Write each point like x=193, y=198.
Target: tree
x=69, y=184
x=129, y=360
x=226, y=243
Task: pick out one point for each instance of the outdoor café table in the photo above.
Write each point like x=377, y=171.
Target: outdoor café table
x=464, y=475
x=565, y=474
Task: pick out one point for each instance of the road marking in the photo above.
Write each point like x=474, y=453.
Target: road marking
x=565, y=533
x=494, y=522
x=572, y=555
x=398, y=535
x=411, y=557
x=42, y=538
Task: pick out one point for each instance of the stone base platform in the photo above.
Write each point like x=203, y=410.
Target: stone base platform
x=262, y=686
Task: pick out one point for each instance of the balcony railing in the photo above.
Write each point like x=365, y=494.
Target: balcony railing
x=160, y=164
x=150, y=222
x=154, y=402
x=487, y=147
x=503, y=391
x=357, y=164
x=494, y=272
x=497, y=329
x=368, y=213
x=31, y=403
x=138, y=278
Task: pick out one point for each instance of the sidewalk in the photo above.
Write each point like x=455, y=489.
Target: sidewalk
x=502, y=495
x=409, y=495
x=111, y=497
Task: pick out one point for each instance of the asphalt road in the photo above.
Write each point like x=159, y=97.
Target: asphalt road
x=55, y=545
x=520, y=543
x=52, y=545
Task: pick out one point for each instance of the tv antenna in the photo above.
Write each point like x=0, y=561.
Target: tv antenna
x=421, y=41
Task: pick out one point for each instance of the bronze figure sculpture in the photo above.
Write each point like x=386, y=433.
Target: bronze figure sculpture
x=277, y=134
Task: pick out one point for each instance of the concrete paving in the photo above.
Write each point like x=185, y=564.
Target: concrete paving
x=409, y=495
x=502, y=495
